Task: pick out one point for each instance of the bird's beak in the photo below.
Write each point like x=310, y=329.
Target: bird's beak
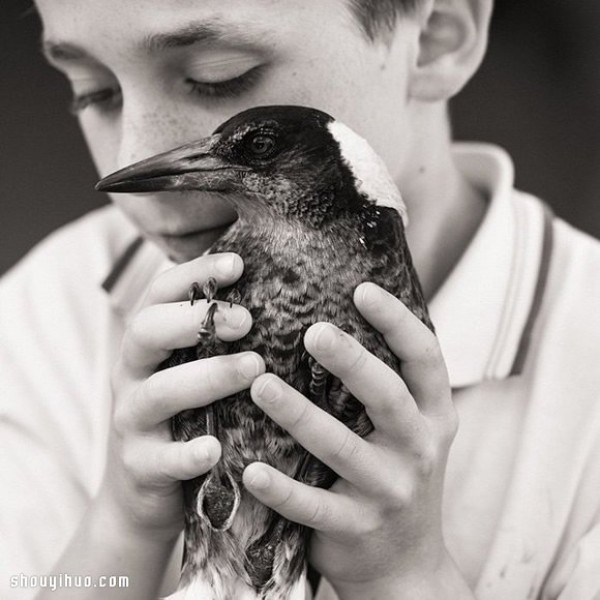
x=194, y=166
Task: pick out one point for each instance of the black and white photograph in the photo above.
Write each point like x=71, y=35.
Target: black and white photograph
x=299, y=300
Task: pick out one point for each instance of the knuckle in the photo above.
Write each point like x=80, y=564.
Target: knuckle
x=156, y=287
x=285, y=500
x=122, y=420
x=177, y=455
x=398, y=492
x=395, y=321
x=446, y=423
x=319, y=513
x=358, y=360
x=426, y=460
x=137, y=328
x=155, y=392
x=451, y=424
x=154, y=387
x=404, y=494
x=432, y=353
x=130, y=461
x=368, y=522
x=300, y=417
x=216, y=375
x=210, y=373
x=347, y=449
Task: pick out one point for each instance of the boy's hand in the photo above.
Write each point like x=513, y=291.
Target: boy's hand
x=145, y=466
x=377, y=531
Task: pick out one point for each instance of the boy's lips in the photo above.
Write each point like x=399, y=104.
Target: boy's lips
x=190, y=244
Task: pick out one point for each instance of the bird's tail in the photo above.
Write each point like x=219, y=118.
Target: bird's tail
x=232, y=563
x=197, y=589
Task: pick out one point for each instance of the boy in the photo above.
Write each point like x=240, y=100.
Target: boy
x=507, y=508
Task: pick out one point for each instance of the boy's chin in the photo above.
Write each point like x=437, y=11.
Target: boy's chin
x=184, y=248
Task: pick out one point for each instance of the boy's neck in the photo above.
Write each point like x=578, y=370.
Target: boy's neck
x=444, y=209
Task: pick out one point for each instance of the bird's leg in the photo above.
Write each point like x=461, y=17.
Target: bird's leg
x=207, y=332
x=207, y=335
x=317, y=388
x=206, y=340
x=219, y=496
x=338, y=397
x=260, y=555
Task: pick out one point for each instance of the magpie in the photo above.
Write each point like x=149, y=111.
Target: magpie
x=317, y=214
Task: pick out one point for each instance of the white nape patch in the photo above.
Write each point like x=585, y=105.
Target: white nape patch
x=370, y=172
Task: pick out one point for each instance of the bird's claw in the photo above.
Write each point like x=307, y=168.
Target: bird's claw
x=210, y=289
x=194, y=292
x=234, y=297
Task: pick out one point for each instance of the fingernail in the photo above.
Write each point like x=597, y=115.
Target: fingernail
x=202, y=453
x=226, y=265
x=370, y=294
x=249, y=366
x=260, y=480
x=269, y=391
x=325, y=338
x=239, y=320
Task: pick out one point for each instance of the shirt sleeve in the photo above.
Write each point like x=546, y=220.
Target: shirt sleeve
x=575, y=573
x=578, y=576
x=54, y=408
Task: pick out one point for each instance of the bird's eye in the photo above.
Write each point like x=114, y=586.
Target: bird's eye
x=261, y=145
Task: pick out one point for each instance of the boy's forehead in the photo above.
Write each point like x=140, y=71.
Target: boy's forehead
x=207, y=20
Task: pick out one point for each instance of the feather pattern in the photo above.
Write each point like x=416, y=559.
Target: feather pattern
x=297, y=276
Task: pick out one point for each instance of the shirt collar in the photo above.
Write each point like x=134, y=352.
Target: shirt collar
x=485, y=310
x=130, y=276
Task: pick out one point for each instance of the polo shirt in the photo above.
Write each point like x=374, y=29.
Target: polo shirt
x=519, y=326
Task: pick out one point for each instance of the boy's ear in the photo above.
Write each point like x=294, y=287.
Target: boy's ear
x=451, y=45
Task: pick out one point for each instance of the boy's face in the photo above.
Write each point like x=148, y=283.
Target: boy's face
x=153, y=74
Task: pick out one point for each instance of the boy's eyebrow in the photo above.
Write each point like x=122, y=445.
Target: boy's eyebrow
x=193, y=33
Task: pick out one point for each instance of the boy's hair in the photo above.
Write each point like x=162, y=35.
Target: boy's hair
x=379, y=16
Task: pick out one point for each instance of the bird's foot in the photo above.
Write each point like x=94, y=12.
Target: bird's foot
x=234, y=297
x=207, y=334
x=218, y=500
x=208, y=290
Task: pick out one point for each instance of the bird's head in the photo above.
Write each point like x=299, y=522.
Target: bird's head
x=285, y=161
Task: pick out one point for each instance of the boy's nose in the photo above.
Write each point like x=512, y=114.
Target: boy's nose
x=153, y=126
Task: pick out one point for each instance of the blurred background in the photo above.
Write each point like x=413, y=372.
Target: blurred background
x=537, y=95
